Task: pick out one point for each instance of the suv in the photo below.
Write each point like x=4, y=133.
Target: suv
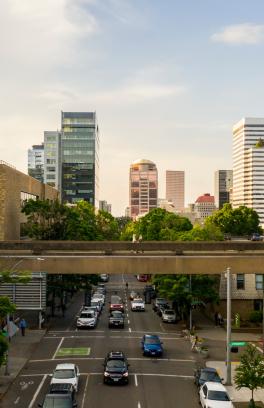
x=115, y=368
x=138, y=305
x=66, y=373
x=87, y=319
x=116, y=319
x=168, y=316
x=116, y=303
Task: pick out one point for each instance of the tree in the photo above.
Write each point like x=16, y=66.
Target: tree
x=107, y=226
x=122, y=222
x=80, y=223
x=237, y=221
x=6, y=307
x=250, y=372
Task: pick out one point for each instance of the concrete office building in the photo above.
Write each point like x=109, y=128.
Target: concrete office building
x=223, y=182
x=36, y=162
x=52, y=161
x=104, y=206
x=175, y=188
x=143, y=187
x=248, y=165
x=79, y=157
x=15, y=187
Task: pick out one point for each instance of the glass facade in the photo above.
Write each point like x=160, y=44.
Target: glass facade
x=79, y=157
x=143, y=187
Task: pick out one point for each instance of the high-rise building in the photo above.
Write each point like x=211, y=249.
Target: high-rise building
x=104, y=206
x=36, y=162
x=79, y=157
x=248, y=165
x=175, y=188
x=143, y=187
x=52, y=162
x=223, y=182
x=204, y=206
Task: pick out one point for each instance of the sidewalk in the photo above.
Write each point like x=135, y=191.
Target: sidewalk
x=208, y=331
x=20, y=351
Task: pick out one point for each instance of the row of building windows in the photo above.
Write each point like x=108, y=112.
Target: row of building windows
x=240, y=281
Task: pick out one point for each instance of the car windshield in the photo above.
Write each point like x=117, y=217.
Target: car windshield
x=169, y=312
x=152, y=340
x=87, y=315
x=116, y=314
x=115, y=299
x=139, y=301
x=218, y=396
x=161, y=301
x=57, y=402
x=64, y=374
x=210, y=376
x=116, y=364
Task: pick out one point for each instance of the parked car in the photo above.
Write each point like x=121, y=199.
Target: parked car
x=91, y=308
x=138, y=304
x=142, y=278
x=104, y=277
x=99, y=296
x=86, y=320
x=116, y=303
x=162, y=308
x=256, y=237
x=151, y=345
x=97, y=303
x=168, y=316
x=214, y=395
x=66, y=373
x=158, y=302
x=116, y=319
x=203, y=375
x=115, y=368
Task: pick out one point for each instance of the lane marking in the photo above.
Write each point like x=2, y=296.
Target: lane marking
x=136, y=380
x=129, y=329
x=103, y=331
x=128, y=321
x=138, y=374
x=57, y=349
x=85, y=389
x=168, y=360
x=17, y=400
x=139, y=405
x=112, y=337
x=37, y=391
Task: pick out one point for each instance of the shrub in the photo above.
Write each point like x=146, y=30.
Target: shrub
x=255, y=316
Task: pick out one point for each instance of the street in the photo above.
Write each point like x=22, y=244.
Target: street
x=165, y=382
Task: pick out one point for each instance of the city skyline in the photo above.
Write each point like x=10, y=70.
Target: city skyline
x=171, y=95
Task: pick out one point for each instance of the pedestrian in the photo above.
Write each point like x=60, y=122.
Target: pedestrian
x=22, y=326
x=194, y=342
x=220, y=319
x=216, y=318
x=126, y=286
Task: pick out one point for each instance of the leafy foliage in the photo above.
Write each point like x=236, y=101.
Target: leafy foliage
x=3, y=349
x=250, y=372
x=6, y=306
x=237, y=221
x=107, y=226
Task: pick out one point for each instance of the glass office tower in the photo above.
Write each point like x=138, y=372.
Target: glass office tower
x=79, y=157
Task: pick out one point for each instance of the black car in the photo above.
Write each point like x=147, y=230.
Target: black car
x=116, y=319
x=115, y=368
x=158, y=302
x=203, y=375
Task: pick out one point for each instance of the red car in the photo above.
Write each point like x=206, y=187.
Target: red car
x=142, y=278
x=116, y=303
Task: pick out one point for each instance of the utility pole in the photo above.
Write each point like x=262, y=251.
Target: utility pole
x=190, y=289
x=228, y=328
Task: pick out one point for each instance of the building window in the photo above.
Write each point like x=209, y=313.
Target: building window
x=258, y=304
x=240, y=281
x=259, y=282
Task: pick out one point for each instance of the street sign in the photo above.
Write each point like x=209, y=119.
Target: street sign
x=237, y=343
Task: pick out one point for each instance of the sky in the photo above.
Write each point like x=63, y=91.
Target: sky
x=168, y=80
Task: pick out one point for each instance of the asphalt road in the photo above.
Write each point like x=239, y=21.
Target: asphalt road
x=165, y=382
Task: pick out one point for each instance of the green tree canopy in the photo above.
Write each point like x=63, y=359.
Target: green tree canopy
x=237, y=221
x=6, y=306
x=250, y=372
x=107, y=226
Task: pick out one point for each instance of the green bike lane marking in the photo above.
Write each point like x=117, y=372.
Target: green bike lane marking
x=73, y=351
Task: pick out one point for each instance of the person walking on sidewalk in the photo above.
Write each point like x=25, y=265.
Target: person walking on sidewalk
x=22, y=326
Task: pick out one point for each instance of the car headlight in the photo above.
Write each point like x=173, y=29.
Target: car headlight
x=106, y=374
x=125, y=374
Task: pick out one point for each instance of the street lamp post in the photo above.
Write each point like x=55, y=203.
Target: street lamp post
x=190, y=288
x=228, y=328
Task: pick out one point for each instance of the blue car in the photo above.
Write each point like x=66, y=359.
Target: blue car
x=151, y=345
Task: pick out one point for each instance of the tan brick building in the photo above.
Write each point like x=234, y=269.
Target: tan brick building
x=14, y=188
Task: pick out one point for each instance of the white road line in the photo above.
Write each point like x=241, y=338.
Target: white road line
x=166, y=375
x=96, y=373
x=139, y=405
x=73, y=331
x=136, y=381
x=77, y=337
x=129, y=329
x=17, y=400
x=37, y=391
x=128, y=321
x=57, y=349
x=168, y=360
x=85, y=389
x=103, y=331
x=123, y=279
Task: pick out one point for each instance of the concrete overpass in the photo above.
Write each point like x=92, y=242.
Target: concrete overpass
x=159, y=257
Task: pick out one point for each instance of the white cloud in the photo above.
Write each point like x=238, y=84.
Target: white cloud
x=246, y=33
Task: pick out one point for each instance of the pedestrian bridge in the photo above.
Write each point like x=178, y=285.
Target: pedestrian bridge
x=151, y=257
